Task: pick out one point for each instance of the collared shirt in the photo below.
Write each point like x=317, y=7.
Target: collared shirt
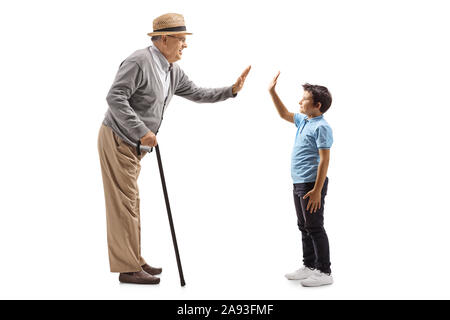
x=163, y=68
x=312, y=134
x=138, y=97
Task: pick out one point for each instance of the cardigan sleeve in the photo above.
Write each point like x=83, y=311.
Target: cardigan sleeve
x=187, y=89
x=127, y=80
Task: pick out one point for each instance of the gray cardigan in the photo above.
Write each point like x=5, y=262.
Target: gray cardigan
x=136, y=99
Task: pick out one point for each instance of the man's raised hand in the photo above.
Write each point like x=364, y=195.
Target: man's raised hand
x=237, y=86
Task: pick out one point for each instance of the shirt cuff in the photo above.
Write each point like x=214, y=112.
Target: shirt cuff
x=139, y=132
x=230, y=93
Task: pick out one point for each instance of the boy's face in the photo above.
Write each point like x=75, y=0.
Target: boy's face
x=307, y=104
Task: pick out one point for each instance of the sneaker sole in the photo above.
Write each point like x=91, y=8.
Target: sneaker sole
x=292, y=278
x=316, y=285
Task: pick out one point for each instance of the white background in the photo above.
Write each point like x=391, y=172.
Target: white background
x=227, y=165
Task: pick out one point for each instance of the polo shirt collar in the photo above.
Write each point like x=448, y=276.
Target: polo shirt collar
x=315, y=118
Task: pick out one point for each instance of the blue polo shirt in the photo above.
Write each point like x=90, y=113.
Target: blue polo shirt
x=312, y=134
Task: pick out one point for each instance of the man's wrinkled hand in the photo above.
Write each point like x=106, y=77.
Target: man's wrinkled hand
x=237, y=86
x=149, y=139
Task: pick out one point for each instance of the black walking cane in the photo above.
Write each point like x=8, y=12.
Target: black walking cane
x=169, y=213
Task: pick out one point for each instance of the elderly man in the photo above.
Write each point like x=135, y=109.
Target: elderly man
x=143, y=87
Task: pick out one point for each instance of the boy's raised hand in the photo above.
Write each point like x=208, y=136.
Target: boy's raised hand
x=274, y=82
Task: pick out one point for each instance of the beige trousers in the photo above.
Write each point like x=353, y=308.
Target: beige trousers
x=120, y=170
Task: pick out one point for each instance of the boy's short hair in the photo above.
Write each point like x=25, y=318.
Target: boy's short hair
x=319, y=94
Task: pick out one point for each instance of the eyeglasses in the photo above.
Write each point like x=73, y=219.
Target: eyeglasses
x=183, y=40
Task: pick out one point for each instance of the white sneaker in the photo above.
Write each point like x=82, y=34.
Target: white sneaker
x=300, y=274
x=317, y=279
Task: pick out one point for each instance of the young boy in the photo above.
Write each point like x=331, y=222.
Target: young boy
x=310, y=158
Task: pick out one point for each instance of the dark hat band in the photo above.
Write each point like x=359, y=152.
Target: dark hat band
x=182, y=28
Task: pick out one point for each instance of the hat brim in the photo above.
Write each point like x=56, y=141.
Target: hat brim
x=163, y=33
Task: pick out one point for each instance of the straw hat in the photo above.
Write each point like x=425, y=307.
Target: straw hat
x=169, y=23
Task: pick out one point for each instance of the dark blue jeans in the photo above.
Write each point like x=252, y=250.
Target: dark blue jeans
x=316, y=252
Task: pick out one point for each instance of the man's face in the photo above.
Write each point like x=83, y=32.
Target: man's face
x=174, y=46
x=307, y=104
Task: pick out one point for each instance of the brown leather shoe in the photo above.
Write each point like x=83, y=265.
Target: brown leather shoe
x=151, y=270
x=140, y=277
